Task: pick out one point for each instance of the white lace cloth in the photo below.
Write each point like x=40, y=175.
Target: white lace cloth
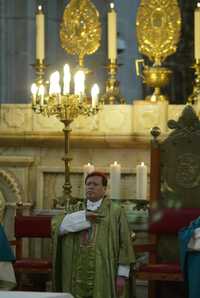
x=194, y=243
x=13, y=294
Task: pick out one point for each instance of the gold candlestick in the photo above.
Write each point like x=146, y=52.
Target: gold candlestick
x=112, y=94
x=40, y=68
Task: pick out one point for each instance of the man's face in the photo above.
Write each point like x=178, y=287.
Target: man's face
x=94, y=188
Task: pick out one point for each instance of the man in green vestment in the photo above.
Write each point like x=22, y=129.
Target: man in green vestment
x=92, y=247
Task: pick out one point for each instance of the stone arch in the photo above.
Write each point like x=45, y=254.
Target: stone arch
x=11, y=192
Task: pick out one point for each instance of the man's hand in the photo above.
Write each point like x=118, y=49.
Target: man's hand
x=120, y=285
x=93, y=216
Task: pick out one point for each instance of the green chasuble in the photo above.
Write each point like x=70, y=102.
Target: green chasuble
x=86, y=262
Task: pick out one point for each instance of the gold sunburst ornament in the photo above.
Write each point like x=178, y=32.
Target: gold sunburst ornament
x=80, y=31
x=158, y=27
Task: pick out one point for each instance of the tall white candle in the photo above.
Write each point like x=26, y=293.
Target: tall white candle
x=141, y=181
x=112, y=34
x=115, y=180
x=87, y=169
x=40, y=34
x=95, y=95
x=197, y=32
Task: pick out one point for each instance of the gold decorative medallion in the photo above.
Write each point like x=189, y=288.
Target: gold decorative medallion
x=80, y=31
x=158, y=27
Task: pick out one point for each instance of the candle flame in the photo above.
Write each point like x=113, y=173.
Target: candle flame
x=89, y=164
x=34, y=89
x=40, y=8
x=66, y=69
x=54, y=83
x=198, y=4
x=95, y=90
x=142, y=163
x=115, y=163
x=112, y=5
x=79, y=82
x=41, y=90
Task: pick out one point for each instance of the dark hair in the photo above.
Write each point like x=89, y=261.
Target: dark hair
x=98, y=174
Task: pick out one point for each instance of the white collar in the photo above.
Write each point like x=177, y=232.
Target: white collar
x=93, y=205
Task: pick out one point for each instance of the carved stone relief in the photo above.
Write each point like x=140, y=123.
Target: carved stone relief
x=16, y=117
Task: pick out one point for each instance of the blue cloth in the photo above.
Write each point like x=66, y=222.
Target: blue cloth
x=190, y=260
x=6, y=254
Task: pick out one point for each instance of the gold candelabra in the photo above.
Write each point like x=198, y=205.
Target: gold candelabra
x=80, y=35
x=66, y=108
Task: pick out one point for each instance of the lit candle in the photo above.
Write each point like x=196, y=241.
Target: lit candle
x=79, y=83
x=54, y=81
x=197, y=32
x=141, y=181
x=87, y=169
x=40, y=37
x=41, y=92
x=95, y=95
x=112, y=34
x=115, y=181
x=54, y=88
x=66, y=79
x=34, y=90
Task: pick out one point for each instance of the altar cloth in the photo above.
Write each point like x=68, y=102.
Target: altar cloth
x=20, y=294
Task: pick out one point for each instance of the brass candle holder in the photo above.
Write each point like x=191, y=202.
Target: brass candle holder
x=194, y=98
x=112, y=94
x=40, y=68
